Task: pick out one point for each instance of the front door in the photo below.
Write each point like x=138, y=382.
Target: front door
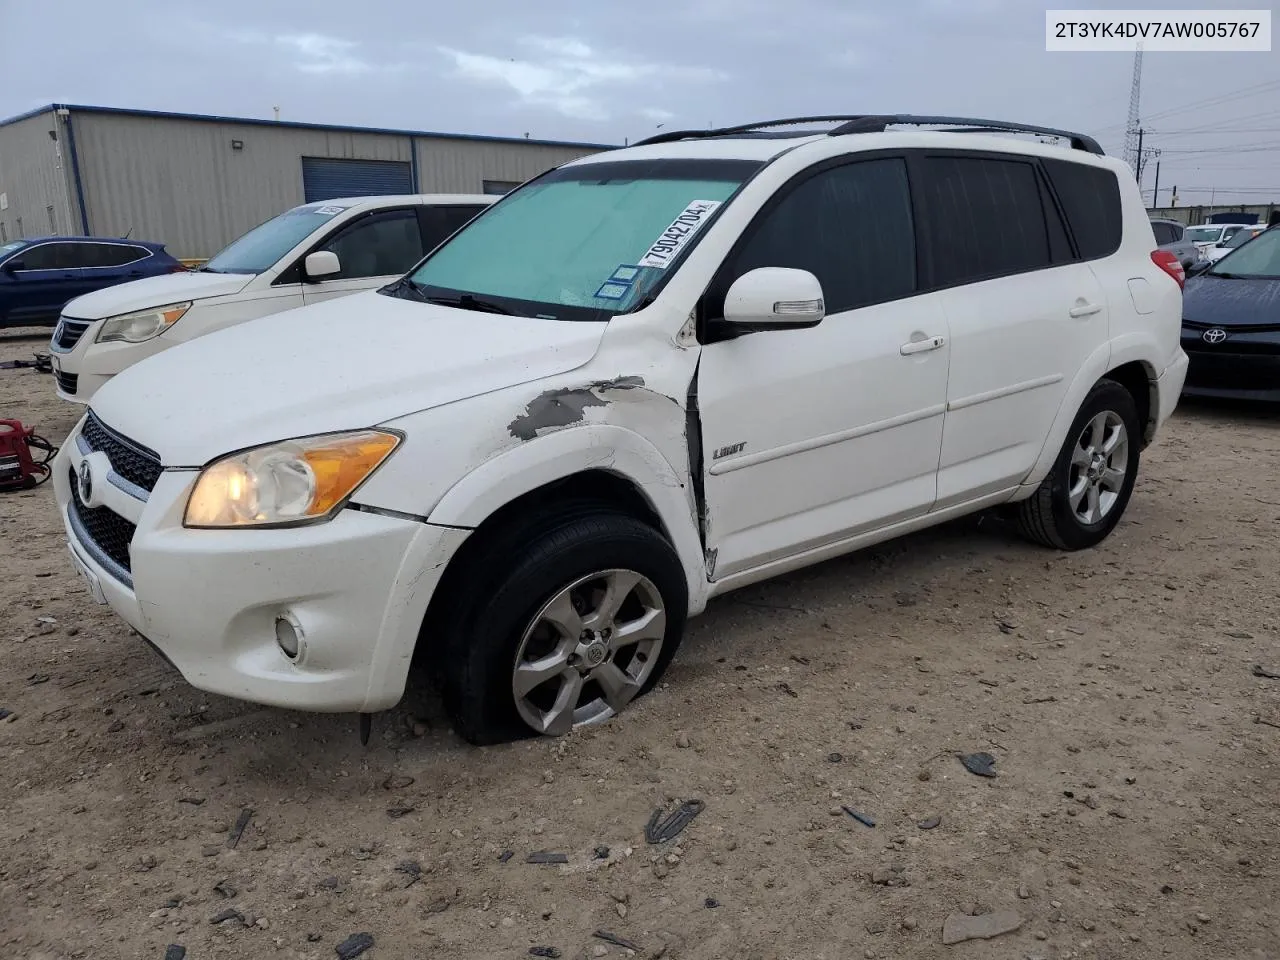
x=47, y=280
x=816, y=435
x=372, y=251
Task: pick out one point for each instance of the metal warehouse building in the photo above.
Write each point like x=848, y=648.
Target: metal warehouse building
x=197, y=182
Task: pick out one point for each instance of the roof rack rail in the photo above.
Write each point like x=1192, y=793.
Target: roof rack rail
x=675, y=135
x=876, y=123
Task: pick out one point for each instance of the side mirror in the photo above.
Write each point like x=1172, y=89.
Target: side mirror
x=321, y=264
x=14, y=264
x=774, y=298
x=1200, y=266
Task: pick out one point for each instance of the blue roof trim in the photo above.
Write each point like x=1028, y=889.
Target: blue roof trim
x=298, y=125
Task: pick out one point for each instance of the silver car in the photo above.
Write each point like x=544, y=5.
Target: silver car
x=1171, y=236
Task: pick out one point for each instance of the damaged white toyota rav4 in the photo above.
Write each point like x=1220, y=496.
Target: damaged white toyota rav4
x=641, y=380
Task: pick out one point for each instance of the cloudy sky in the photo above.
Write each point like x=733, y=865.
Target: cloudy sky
x=604, y=71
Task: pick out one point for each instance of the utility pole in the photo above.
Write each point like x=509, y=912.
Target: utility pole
x=1138, y=157
x=1155, y=194
x=1131, y=153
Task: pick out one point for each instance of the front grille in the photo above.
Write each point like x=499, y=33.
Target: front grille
x=67, y=382
x=130, y=460
x=107, y=531
x=69, y=333
x=1233, y=328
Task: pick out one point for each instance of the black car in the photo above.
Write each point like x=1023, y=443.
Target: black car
x=1231, y=323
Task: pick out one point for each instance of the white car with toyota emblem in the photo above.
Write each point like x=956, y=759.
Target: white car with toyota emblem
x=639, y=381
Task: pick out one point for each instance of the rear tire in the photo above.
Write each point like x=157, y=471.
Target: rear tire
x=561, y=624
x=1085, y=493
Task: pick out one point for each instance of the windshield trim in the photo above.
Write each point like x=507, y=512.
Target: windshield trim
x=674, y=168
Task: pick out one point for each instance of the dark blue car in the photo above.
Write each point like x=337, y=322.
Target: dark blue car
x=1231, y=323
x=39, y=276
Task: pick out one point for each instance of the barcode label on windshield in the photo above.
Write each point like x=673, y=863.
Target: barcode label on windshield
x=683, y=228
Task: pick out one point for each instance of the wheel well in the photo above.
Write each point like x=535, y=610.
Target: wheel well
x=584, y=490
x=1137, y=378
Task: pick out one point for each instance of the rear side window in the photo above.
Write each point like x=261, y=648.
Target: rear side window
x=110, y=254
x=850, y=226
x=439, y=223
x=1091, y=198
x=984, y=218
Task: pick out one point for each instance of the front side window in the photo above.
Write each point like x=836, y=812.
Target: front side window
x=584, y=242
x=1261, y=258
x=850, y=226
x=984, y=218
x=263, y=246
x=49, y=256
x=381, y=245
x=1240, y=239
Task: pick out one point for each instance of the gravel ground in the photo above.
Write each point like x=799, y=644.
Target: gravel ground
x=1135, y=811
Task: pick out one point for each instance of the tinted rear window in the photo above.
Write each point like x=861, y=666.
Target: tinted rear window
x=1091, y=199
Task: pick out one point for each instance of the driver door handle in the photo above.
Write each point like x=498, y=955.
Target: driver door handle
x=912, y=347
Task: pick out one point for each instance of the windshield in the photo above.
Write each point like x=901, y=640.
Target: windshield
x=1258, y=259
x=1203, y=234
x=584, y=242
x=8, y=248
x=265, y=244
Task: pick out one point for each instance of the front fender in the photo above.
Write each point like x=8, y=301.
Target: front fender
x=591, y=446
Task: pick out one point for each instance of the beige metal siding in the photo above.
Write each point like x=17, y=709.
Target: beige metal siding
x=181, y=183
x=462, y=166
x=34, y=175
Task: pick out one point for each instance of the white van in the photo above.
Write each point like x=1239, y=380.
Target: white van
x=306, y=255
x=641, y=380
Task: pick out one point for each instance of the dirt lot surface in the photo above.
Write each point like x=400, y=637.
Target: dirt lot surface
x=1136, y=810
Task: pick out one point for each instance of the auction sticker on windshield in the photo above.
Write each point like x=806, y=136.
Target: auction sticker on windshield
x=330, y=210
x=683, y=228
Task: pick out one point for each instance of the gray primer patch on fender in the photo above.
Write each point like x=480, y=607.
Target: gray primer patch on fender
x=560, y=408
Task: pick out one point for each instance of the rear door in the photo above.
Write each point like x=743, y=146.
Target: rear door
x=107, y=264
x=47, y=280
x=1023, y=312
x=372, y=250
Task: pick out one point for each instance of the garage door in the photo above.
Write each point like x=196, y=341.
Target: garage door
x=324, y=179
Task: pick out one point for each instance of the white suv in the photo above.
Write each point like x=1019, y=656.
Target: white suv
x=306, y=255
x=641, y=380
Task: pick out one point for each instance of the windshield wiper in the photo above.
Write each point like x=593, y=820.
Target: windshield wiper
x=468, y=301
x=406, y=289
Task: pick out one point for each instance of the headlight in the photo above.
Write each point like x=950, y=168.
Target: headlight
x=297, y=481
x=143, y=325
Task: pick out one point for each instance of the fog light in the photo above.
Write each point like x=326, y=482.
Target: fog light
x=289, y=636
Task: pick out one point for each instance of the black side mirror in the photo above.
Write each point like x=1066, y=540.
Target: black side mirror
x=1198, y=268
x=14, y=264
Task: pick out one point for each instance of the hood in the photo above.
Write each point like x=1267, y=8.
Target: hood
x=154, y=292
x=1222, y=302
x=345, y=364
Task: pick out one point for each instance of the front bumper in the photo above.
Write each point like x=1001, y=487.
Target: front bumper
x=357, y=587
x=1244, y=366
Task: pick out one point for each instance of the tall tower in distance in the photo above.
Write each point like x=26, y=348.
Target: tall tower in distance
x=1131, y=145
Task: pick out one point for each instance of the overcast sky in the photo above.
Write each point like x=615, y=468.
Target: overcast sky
x=604, y=71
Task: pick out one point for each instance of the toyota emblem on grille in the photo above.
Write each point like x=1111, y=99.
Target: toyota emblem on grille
x=1216, y=335
x=85, y=476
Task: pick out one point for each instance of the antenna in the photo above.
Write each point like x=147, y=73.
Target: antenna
x=1132, y=144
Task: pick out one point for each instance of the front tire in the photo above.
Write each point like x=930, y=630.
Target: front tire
x=581, y=616
x=1084, y=495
